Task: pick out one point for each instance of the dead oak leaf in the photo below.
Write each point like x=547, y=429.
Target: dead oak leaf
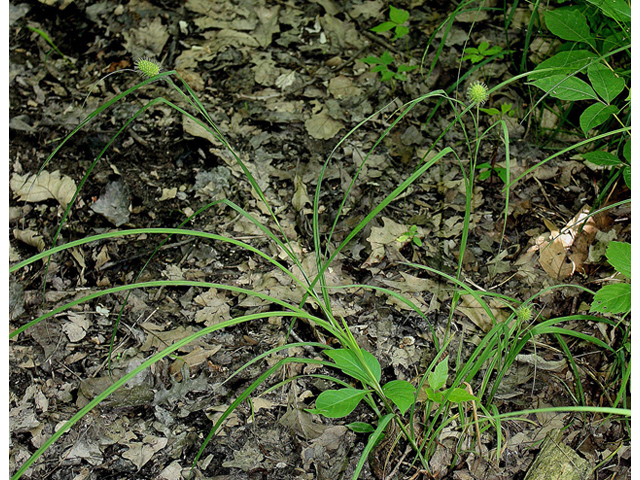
x=322, y=126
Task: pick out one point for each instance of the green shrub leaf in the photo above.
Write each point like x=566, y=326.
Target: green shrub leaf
x=612, y=299
x=461, y=395
x=397, y=15
x=626, y=173
x=383, y=27
x=401, y=31
x=619, y=256
x=616, y=9
x=360, y=427
x=600, y=157
x=626, y=151
x=563, y=63
x=595, y=115
x=400, y=392
x=338, y=403
x=604, y=81
x=386, y=58
x=569, y=24
x=438, y=378
x=433, y=396
x=566, y=88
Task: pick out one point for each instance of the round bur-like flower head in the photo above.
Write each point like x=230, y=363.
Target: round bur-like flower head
x=478, y=93
x=148, y=68
x=524, y=313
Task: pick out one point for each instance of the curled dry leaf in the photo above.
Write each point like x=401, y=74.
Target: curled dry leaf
x=30, y=238
x=37, y=188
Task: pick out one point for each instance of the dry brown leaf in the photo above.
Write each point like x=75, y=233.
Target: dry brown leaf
x=470, y=307
x=197, y=130
x=300, y=197
x=37, y=188
x=554, y=260
x=140, y=453
x=30, y=238
x=322, y=126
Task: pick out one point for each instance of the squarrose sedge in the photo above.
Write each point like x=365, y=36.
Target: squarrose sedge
x=478, y=93
x=147, y=67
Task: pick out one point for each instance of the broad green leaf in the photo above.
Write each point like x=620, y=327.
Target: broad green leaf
x=595, y=115
x=563, y=63
x=338, y=403
x=371, y=60
x=383, y=27
x=615, y=40
x=619, y=256
x=566, y=88
x=401, y=31
x=600, y=157
x=433, y=395
x=400, y=392
x=406, y=68
x=569, y=24
x=483, y=47
x=490, y=111
x=461, y=395
x=493, y=51
x=604, y=81
x=626, y=151
x=386, y=58
x=626, y=173
x=506, y=108
x=438, y=378
x=397, y=15
x=616, y=9
x=348, y=362
x=484, y=175
x=360, y=427
x=387, y=75
x=612, y=299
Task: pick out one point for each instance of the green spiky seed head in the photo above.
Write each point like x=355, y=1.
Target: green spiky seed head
x=148, y=68
x=478, y=93
x=524, y=313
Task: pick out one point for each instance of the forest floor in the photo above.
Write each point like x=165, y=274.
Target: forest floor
x=284, y=83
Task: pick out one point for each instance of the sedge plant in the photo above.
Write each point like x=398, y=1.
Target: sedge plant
x=388, y=400
x=393, y=402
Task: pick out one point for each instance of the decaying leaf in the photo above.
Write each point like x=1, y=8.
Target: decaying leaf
x=554, y=260
x=113, y=203
x=322, y=126
x=76, y=328
x=30, y=238
x=247, y=458
x=37, y=188
x=197, y=130
x=140, y=453
x=478, y=315
x=300, y=197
